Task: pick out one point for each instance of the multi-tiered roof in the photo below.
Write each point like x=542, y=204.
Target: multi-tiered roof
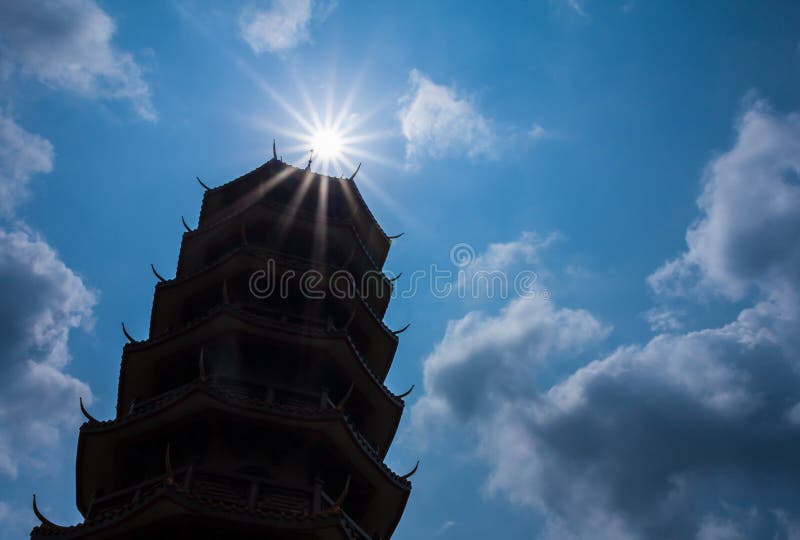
x=254, y=415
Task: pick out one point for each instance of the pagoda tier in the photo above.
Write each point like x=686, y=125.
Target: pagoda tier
x=290, y=438
x=273, y=353
x=264, y=225
x=284, y=289
x=299, y=191
x=256, y=406
x=201, y=504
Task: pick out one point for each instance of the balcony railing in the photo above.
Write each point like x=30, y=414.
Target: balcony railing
x=244, y=491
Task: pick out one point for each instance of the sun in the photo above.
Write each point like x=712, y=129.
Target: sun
x=329, y=136
x=327, y=144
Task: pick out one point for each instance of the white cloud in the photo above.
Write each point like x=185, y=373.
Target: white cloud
x=653, y=441
x=662, y=319
x=284, y=25
x=437, y=121
x=716, y=529
x=793, y=414
x=446, y=526
x=66, y=44
x=483, y=360
x=643, y=438
x=748, y=230
x=22, y=154
x=503, y=255
x=43, y=300
x=538, y=132
x=488, y=274
x=576, y=6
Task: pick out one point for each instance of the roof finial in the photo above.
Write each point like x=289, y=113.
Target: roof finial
x=356, y=172
x=343, y=401
x=337, y=504
x=201, y=365
x=155, y=272
x=407, y=392
x=411, y=473
x=89, y=417
x=45, y=522
x=403, y=329
x=274, y=151
x=186, y=225
x=310, y=159
x=202, y=184
x=169, y=477
x=127, y=335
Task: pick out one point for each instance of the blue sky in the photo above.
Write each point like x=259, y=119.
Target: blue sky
x=641, y=158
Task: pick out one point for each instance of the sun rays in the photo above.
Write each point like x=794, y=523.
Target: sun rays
x=334, y=133
x=329, y=131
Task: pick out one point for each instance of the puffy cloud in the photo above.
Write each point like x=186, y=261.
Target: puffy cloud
x=485, y=360
x=748, y=230
x=22, y=154
x=437, y=121
x=43, y=300
x=656, y=433
x=691, y=435
x=284, y=25
x=646, y=438
x=488, y=274
x=67, y=44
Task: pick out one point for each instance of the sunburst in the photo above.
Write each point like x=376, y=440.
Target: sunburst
x=335, y=137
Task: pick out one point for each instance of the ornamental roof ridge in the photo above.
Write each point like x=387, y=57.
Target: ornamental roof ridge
x=257, y=252
x=218, y=393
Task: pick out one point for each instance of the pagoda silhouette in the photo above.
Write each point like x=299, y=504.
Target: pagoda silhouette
x=256, y=406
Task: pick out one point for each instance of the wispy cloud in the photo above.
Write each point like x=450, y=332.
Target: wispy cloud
x=524, y=250
x=576, y=6
x=663, y=319
x=438, y=121
x=67, y=44
x=283, y=25
x=537, y=132
x=22, y=154
x=446, y=526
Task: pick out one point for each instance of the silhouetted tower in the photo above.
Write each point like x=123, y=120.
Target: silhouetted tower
x=254, y=411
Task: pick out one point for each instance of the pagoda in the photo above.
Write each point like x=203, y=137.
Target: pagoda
x=253, y=410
